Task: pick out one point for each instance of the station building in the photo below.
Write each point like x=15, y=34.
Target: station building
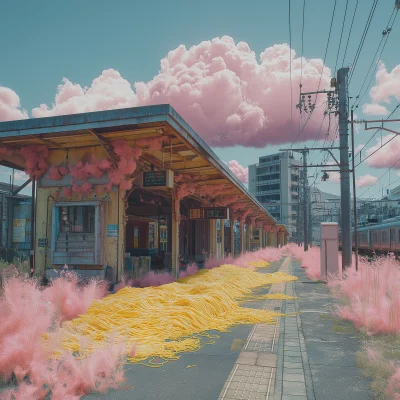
x=135, y=181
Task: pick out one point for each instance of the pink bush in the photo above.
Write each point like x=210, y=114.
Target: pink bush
x=70, y=378
x=26, y=313
x=393, y=390
x=374, y=298
x=267, y=254
x=310, y=259
x=71, y=300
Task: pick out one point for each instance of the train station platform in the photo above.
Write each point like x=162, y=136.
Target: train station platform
x=308, y=355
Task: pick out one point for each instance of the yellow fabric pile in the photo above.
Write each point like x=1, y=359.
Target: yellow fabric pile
x=167, y=320
x=258, y=264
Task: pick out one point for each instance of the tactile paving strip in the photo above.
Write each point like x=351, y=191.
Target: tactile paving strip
x=253, y=376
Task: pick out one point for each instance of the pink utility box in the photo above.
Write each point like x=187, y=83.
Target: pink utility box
x=330, y=250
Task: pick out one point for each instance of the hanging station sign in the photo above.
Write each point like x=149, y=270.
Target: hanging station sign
x=209, y=213
x=158, y=179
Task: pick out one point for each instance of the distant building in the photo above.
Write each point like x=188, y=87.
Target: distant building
x=325, y=207
x=275, y=184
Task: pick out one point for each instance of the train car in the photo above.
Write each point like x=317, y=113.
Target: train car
x=380, y=238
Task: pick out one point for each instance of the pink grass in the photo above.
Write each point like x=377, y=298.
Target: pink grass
x=267, y=254
x=373, y=295
x=26, y=313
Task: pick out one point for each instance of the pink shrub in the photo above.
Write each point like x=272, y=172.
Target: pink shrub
x=25, y=316
x=26, y=313
x=190, y=270
x=373, y=295
x=70, y=378
x=267, y=254
x=154, y=279
x=393, y=390
x=310, y=260
x=71, y=300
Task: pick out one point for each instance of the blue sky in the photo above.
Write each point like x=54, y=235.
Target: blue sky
x=43, y=41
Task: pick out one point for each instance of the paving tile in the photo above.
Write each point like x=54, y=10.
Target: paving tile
x=292, y=365
x=293, y=377
x=247, y=357
x=294, y=388
x=267, y=360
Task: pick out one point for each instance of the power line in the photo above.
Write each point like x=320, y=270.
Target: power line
x=385, y=36
x=351, y=28
x=302, y=53
x=341, y=34
x=395, y=163
x=364, y=35
x=322, y=71
x=378, y=130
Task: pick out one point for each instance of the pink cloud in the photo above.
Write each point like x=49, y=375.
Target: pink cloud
x=224, y=91
x=334, y=177
x=374, y=109
x=241, y=172
x=387, y=84
x=386, y=156
x=108, y=91
x=10, y=107
x=365, y=180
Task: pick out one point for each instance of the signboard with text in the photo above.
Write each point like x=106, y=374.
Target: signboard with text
x=19, y=230
x=209, y=213
x=158, y=179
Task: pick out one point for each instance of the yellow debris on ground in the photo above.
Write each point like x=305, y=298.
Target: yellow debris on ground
x=258, y=264
x=174, y=318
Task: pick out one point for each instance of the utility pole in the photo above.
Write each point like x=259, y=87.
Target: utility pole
x=305, y=208
x=354, y=190
x=342, y=88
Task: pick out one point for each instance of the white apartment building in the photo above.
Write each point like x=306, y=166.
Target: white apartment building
x=275, y=184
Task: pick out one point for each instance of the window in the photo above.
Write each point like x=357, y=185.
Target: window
x=76, y=234
x=76, y=219
x=384, y=237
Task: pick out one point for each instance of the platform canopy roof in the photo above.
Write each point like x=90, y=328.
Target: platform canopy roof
x=186, y=152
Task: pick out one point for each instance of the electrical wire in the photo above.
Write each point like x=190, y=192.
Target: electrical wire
x=364, y=35
x=378, y=130
x=341, y=34
x=385, y=37
x=320, y=78
x=351, y=28
x=290, y=72
x=393, y=165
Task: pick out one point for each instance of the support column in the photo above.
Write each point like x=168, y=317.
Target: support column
x=260, y=236
x=175, y=235
x=342, y=81
x=222, y=225
x=242, y=238
x=213, y=238
x=249, y=236
x=232, y=227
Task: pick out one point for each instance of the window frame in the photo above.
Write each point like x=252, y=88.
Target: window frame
x=98, y=231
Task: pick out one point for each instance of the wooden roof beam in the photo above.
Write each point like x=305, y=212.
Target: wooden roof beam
x=106, y=146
